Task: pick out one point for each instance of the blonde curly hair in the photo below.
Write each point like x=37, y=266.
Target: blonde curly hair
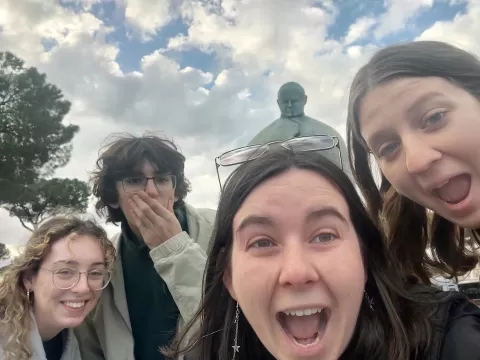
x=15, y=304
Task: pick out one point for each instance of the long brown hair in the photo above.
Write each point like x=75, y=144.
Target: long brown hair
x=396, y=329
x=15, y=305
x=411, y=228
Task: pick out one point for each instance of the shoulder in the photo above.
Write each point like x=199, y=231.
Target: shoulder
x=324, y=126
x=455, y=321
x=205, y=214
x=462, y=331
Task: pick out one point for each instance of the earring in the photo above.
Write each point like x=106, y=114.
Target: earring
x=369, y=300
x=235, y=346
x=28, y=294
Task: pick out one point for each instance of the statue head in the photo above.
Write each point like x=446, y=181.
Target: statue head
x=291, y=100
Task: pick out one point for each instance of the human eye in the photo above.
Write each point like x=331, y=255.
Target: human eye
x=96, y=274
x=434, y=119
x=261, y=243
x=325, y=237
x=387, y=149
x=134, y=180
x=163, y=179
x=66, y=273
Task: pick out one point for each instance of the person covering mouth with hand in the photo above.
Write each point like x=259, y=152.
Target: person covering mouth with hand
x=51, y=287
x=140, y=184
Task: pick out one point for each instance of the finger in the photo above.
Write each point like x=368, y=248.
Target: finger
x=158, y=208
x=170, y=205
x=142, y=221
x=148, y=211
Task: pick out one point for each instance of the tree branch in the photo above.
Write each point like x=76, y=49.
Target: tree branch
x=24, y=225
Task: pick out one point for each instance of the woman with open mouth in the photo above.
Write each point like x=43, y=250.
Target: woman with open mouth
x=416, y=108
x=297, y=270
x=51, y=287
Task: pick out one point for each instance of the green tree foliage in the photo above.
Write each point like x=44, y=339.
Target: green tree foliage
x=4, y=252
x=34, y=142
x=33, y=203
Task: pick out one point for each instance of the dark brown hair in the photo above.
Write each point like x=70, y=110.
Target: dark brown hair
x=411, y=229
x=123, y=156
x=396, y=328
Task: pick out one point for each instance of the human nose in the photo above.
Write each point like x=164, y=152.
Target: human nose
x=82, y=285
x=297, y=268
x=151, y=187
x=419, y=155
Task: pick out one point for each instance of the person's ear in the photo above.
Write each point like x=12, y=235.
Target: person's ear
x=227, y=282
x=227, y=277
x=28, y=280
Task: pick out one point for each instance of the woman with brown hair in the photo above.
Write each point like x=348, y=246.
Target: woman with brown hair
x=416, y=108
x=297, y=270
x=51, y=287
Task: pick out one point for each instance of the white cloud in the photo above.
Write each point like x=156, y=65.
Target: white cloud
x=398, y=13
x=359, y=29
x=462, y=31
x=147, y=16
x=205, y=112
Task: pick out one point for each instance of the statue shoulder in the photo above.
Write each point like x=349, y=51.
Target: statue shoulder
x=322, y=125
x=265, y=135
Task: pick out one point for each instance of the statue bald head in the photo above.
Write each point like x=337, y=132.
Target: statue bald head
x=291, y=99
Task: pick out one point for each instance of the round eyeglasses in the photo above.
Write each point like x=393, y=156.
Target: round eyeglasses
x=67, y=278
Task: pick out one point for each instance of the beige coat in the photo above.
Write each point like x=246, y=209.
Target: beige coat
x=180, y=261
x=71, y=351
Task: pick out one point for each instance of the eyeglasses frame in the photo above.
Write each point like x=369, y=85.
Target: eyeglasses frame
x=154, y=178
x=283, y=143
x=54, y=271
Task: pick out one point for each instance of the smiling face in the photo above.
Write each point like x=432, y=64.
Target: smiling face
x=56, y=309
x=425, y=135
x=296, y=266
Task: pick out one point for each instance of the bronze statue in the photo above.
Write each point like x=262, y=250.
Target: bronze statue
x=294, y=123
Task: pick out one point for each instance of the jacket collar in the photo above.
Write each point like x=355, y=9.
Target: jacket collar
x=118, y=285
x=70, y=351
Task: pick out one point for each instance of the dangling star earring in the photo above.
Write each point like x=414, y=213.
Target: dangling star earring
x=235, y=346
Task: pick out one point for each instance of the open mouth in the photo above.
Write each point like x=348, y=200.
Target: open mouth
x=74, y=305
x=304, y=327
x=455, y=190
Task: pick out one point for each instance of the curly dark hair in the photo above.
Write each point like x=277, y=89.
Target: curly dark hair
x=122, y=157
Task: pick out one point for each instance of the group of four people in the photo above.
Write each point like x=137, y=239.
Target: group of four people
x=292, y=265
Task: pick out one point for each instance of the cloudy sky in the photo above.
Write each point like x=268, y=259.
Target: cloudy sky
x=205, y=72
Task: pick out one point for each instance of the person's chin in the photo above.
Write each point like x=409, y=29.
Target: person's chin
x=69, y=322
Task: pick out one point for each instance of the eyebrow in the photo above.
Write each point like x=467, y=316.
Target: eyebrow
x=73, y=262
x=421, y=99
x=317, y=214
x=327, y=211
x=253, y=220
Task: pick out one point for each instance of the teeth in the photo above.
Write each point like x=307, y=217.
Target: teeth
x=304, y=312
x=75, y=305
